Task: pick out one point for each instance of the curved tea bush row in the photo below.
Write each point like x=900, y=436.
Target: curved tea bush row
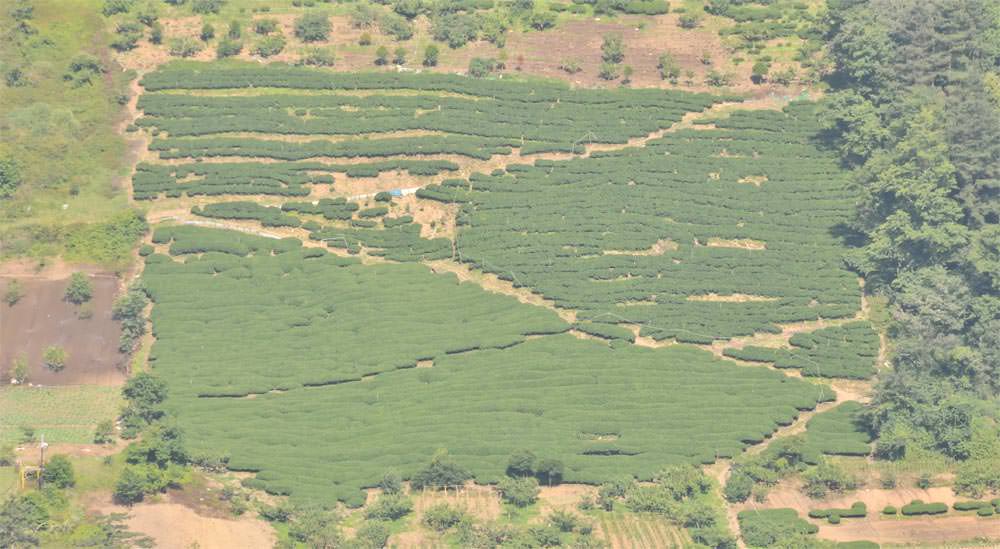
x=245, y=178
x=311, y=324
x=481, y=149
x=268, y=216
x=564, y=229
x=398, y=241
x=478, y=120
x=190, y=76
x=849, y=350
x=838, y=431
x=319, y=303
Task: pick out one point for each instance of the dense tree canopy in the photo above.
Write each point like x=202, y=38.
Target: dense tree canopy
x=913, y=111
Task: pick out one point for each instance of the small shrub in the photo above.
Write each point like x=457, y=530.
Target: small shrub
x=184, y=47
x=718, y=79
x=58, y=472
x=441, y=472
x=924, y=482
x=235, y=31
x=888, y=481
x=265, y=26
x=431, y=54
x=207, y=6
x=207, y=32
x=613, y=49
x=391, y=483
x=112, y=7
x=228, y=48
x=889, y=510
x=441, y=517
x=608, y=71
x=570, y=67
x=670, y=70
x=318, y=57
x=987, y=511
x=270, y=46
x=104, y=433
x=521, y=463
x=54, y=358
x=521, y=492
x=399, y=56
x=396, y=26
x=365, y=39
x=382, y=56
x=688, y=21
x=13, y=293
x=389, y=507
x=563, y=520
x=480, y=67
x=79, y=289
x=19, y=371
x=312, y=27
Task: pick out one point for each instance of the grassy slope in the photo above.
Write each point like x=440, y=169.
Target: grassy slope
x=62, y=136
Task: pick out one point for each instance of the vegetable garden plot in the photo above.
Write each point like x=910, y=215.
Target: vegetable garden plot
x=287, y=316
x=559, y=228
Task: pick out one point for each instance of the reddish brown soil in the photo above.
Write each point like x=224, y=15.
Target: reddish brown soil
x=534, y=53
x=42, y=318
x=923, y=531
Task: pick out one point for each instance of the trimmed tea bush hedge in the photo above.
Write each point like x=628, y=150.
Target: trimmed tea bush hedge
x=917, y=507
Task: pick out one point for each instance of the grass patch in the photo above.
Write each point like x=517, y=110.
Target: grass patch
x=61, y=414
x=62, y=135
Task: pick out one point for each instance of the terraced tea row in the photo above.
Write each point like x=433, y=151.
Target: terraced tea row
x=849, y=350
x=284, y=318
x=455, y=117
x=701, y=235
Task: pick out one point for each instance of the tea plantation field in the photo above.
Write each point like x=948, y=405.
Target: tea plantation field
x=356, y=120
x=750, y=210
x=303, y=317
x=320, y=371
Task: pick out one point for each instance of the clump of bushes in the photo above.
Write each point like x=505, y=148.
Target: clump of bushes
x=833, y=516
x=55, y=358
x=79, y=290
x=918, y=507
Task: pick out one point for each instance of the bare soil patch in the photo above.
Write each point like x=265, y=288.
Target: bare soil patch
x=492, y=283
x=659, y=247
x=534, y=53
x=922, y=531
x=42, y=318
x=173, y=525
x=730, y=298
x=787, y=494
x=743, y=244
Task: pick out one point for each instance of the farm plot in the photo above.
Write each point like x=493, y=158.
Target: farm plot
x=749, y=212
x=286, y=318
x=364, y=124
x=60, y=414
